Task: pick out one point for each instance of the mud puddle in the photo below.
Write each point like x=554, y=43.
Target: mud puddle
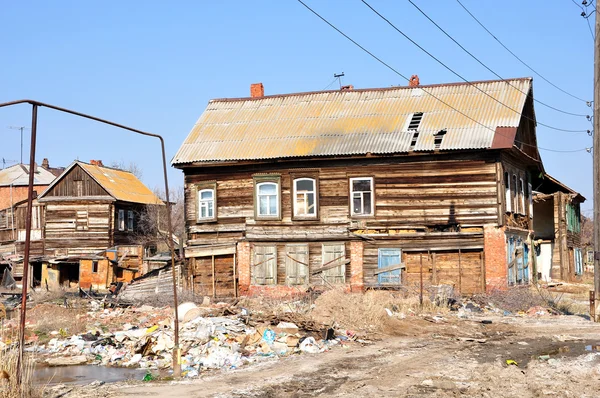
x=84, y=374
x=525, y=351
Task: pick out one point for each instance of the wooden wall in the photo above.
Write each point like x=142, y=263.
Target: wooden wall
x=77, y=227
x=77, y=183
x=428, y=195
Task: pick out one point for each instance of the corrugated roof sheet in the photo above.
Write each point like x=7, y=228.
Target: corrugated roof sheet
x=18, y=175
x=329, y=123
x=121, y=185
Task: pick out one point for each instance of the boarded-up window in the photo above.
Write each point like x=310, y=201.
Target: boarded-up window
x=389, y=258
x=334, y=259
x=130, y=220
x=264, y=265
x=296, y=264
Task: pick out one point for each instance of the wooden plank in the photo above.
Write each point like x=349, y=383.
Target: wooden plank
x=389, y=268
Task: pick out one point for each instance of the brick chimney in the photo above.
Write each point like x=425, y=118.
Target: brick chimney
x=257, y=90
x=45, y=164
x=96, y=163
x=414, y=81
x=349, y=87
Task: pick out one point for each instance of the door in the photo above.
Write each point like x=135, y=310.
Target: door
x=387, y=258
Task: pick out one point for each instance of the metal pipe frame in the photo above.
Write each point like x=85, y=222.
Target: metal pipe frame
x=25, y=282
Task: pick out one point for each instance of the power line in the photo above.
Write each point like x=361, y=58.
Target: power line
x=487, y=67
x=519, y=59
x=424, y=90
x=587, y=17
x=463, y=78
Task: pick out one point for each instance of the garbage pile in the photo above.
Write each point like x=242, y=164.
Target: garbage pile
x=206, y=342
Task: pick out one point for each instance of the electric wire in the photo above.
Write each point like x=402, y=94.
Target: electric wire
x=487, y=67
x=519, y=59
x=462, y=77
x=424, y=90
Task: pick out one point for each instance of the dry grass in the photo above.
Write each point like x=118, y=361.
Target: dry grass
x=9, y=388
x=46, y=318
x=367, y=311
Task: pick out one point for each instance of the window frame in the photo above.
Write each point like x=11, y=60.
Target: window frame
x=121, y=219
x=258, y=182
x=351, y=197
x=530, y=192
x=206, y=186
x=515, y=192
x=507, y=193
x=95, y=266
x=522, y=209
x=315, y=192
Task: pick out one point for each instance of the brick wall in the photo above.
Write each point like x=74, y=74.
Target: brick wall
x=357, y=282
x=496, y=273
x=243, y=267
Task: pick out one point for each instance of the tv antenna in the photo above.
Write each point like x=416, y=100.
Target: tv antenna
x=339, y=77
x=20, y=128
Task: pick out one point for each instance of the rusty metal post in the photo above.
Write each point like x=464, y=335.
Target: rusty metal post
x=25, y=280
x=176, y=348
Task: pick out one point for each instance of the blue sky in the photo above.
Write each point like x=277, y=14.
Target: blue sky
x=153, y=65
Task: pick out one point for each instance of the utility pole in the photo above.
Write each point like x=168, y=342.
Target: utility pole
x=19, y=128
x=597, y=166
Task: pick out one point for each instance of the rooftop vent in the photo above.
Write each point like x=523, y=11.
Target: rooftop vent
x=438, y=137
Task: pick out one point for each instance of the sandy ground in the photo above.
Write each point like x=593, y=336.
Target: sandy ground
x=421, y=359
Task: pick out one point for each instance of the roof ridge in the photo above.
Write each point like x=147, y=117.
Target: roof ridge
x=368, y=89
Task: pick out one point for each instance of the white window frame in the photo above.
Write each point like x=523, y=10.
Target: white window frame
x=130, y=220
x=277, y=200
x=121, y=220
x=352, y=192
x=515, y=193
x=305, y=194
x=204, y=204
x=507, y=192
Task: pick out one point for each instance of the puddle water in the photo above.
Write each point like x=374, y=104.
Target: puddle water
x=84, y=374
x=592, y=347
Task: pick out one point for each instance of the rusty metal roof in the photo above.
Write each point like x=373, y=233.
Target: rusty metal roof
x=354, y=122
x=120, y=184
x=18, y=175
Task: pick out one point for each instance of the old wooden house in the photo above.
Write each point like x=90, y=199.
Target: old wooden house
x=362, y=188
x=557, y=231
x=89, y=211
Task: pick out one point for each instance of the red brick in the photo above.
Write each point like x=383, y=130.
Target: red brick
x=494, y=243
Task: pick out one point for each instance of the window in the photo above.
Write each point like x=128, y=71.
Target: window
x=507, y=197
x=361, y=193
x=267, y=199
x=305, y=198
x=389, y=258
x=334, y=262
x=130, y=220
x=206, y=204
x=3, y=219
x=578, y=261
x=590, y=257
x=521, y=196
x=530, y=193
x=264, y=265
x=94, y=267
x=514, y=195
x=121, y=220
x=296, y=264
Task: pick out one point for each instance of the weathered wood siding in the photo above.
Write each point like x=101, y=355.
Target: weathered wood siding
x=422, y=195
x=77, y=183
x=77, y=227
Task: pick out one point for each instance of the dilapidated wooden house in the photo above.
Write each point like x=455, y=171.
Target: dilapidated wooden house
x=362, y=188
x=557, y=231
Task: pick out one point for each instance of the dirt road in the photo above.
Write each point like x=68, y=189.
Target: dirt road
x=459, y=358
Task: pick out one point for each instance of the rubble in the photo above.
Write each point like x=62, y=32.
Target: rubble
x=143, y=337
